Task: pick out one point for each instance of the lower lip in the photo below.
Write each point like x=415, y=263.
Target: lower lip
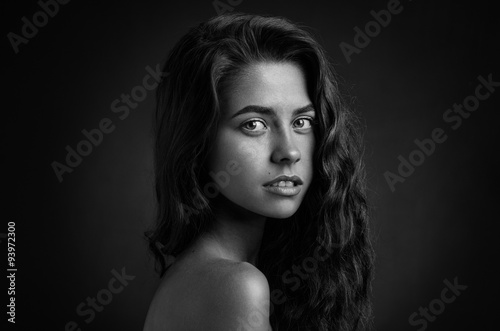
x=283, y=190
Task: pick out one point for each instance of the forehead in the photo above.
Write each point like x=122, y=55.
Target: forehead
x=281, y=86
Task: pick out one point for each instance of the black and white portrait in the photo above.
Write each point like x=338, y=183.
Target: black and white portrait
x=250, y=165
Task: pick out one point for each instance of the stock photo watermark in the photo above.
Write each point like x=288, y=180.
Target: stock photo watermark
x=454, y=117
x=104, y=297
x=372, y=29
x=292, y=278
x=437, y=306
x=11, y=269
x=30, y=28
x=211, y=189
x=94, y=137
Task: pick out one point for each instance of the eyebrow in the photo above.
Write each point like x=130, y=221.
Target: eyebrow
x=270, y=111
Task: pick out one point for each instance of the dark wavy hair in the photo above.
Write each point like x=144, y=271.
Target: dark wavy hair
x=335, y=292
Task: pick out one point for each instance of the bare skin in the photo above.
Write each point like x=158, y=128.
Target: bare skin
x=214, y=284
x=203, y=290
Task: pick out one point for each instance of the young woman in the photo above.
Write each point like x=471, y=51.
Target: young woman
x=259, y=181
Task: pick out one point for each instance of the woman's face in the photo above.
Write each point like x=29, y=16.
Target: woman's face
x=267, y=128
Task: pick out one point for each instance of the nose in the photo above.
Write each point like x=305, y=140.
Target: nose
x=285, y=149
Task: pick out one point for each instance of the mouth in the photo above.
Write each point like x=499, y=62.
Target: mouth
x=285, y=181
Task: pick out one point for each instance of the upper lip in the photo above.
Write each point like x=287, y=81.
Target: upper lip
x=295, y=179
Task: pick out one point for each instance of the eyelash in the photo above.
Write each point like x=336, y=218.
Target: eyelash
x=310, y=119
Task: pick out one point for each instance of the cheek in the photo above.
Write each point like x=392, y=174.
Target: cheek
x=307, y=153
x=310, y=153
x=230, y=149
x=238, y=183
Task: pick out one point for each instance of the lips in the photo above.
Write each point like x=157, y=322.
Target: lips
x=285, y=181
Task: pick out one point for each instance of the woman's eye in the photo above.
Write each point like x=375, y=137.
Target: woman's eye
x=254, y=125
x=303, y=123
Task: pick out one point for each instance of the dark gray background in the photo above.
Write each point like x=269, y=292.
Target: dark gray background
x=439, y=224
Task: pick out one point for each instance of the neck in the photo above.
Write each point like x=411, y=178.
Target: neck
x=236, y=233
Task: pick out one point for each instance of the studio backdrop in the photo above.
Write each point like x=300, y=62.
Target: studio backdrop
x=79, y=80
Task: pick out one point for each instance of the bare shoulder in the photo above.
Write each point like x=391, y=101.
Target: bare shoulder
x=236, y=297
x=239, y=283
x=215, y=295
x=241, y=276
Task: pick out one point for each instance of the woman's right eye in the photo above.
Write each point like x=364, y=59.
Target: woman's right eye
x=254, y=125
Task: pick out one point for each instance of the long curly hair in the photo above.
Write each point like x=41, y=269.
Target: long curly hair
x=319, y=261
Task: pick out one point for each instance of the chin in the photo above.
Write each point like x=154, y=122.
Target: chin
x=281, y=215
x=267, y=206
x=282, y=210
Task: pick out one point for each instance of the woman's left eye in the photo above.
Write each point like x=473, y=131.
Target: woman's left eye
x=303, y=123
